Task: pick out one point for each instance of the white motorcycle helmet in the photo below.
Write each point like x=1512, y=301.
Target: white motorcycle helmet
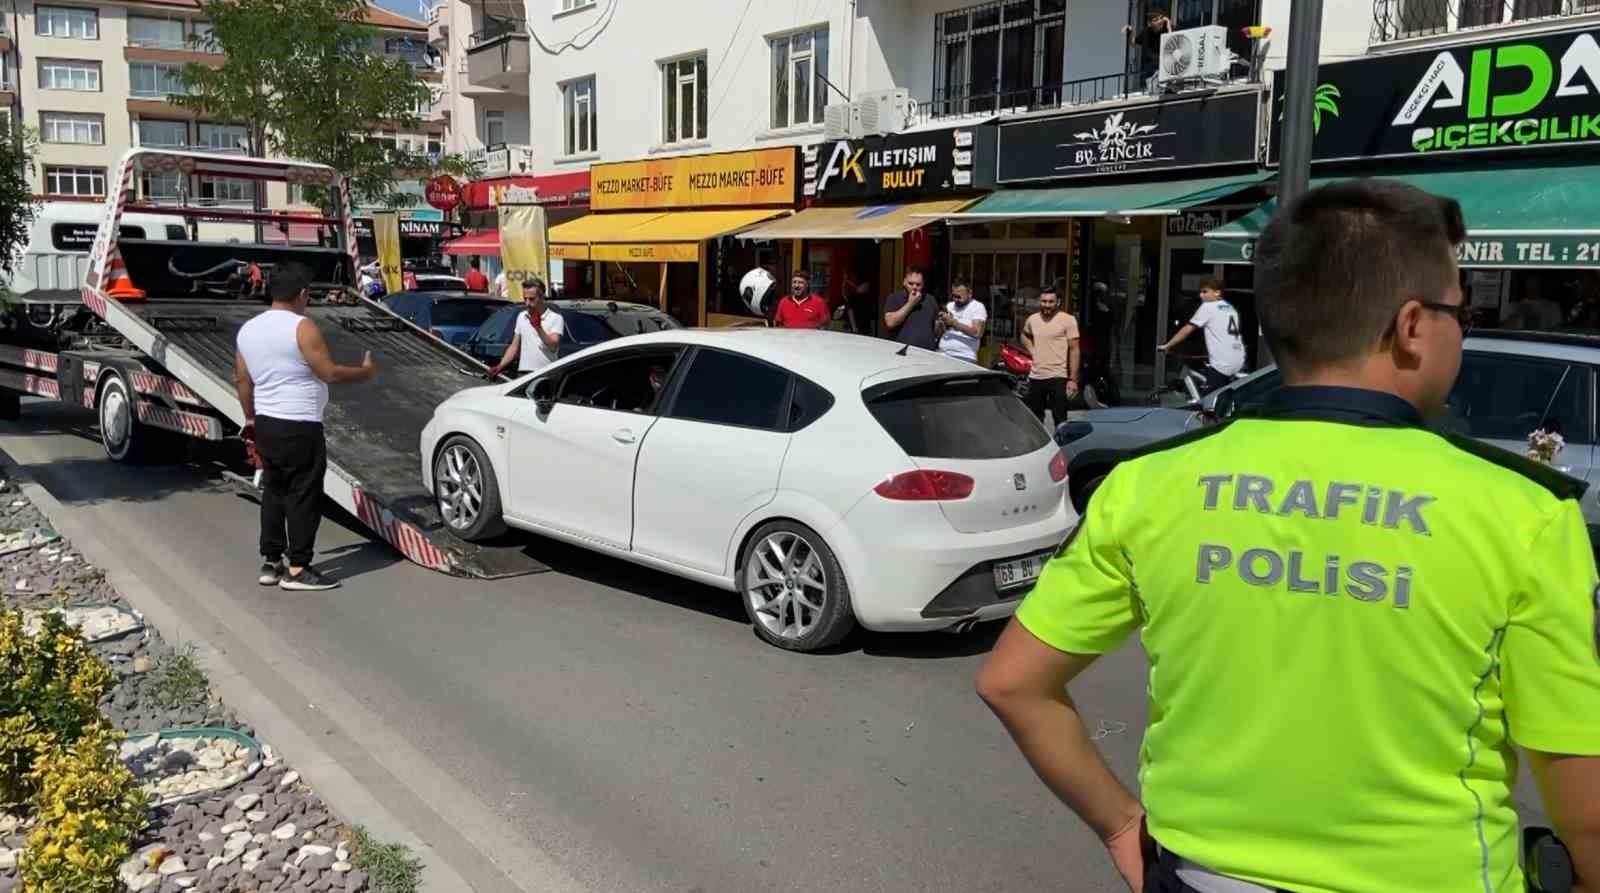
x=758, y=289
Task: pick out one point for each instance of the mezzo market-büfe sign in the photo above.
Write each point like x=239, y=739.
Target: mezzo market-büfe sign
x=1514, y=94
x=1206, y=131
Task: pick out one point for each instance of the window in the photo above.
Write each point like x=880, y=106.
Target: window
x=69, y=74
x=577, y=103
x=60, y=127
x=226, y=191
x=494, y=127
x=809, y=403
x=1506, y=397
x=1000, y=55
x=412, y=51
x=76, y=181
x=161, y=187
x=223, y=137
x=154, y=79
x=728, y=389
x=435, y=146
x=166, y=34
x=625, y=385
x=67, y=21
x=956, y=418
x=684, y=84
x=5, y=122
x=798, y=95
x=163, y=134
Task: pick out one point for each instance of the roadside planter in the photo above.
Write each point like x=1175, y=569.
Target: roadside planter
x=187, y=765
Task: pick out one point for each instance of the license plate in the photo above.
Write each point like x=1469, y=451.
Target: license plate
x=1019, y=571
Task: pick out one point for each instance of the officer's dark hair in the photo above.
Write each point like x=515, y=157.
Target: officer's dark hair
x=1334, y=267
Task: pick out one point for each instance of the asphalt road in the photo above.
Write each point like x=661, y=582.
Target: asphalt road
x=626, y=724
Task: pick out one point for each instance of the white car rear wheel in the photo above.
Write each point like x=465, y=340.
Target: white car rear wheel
x=466, y=491
x=793, y=588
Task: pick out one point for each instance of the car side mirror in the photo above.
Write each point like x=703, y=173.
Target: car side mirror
x=543, y=395
x=1221, y=404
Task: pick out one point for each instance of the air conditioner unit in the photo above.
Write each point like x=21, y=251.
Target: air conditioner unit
x=837, y=121
x=1194, y=54
x=886, y=111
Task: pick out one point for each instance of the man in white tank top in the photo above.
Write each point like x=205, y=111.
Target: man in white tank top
x=282, y=370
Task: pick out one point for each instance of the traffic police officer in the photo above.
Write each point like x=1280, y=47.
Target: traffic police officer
x=1348, y=617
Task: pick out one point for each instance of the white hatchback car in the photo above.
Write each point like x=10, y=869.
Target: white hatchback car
x=829, y=479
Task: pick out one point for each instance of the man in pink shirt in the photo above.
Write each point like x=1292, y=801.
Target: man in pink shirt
x=1051, y=336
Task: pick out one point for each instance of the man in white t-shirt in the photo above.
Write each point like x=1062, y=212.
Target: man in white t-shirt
x=1224, y=341
x=498, y=289
x=963, y=320
x=538, y=336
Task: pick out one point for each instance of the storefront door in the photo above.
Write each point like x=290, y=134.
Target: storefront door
x=1182, y=267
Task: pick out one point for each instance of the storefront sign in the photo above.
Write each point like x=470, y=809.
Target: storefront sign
x=671, y=252
x=502, y=159
x=1522, y=93
x=410, y=228
x=569, y=252
x=1199, y=221
x=901, y=165
x=551, y=189
x=746, y=179
x=1181, y=133
x=1491, y=252
x=524, y=246
x=443, y=192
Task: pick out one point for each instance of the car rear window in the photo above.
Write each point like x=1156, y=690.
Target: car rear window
x=639, y=323
x=586, y=328
x=463, y=313
x=957, y=418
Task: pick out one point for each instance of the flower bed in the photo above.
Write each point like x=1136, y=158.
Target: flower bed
x=120, y=770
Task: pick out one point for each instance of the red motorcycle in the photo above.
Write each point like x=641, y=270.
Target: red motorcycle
x=1099, y=387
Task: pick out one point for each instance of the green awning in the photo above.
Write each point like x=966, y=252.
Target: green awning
x=1517, y=217
x=1132, y=199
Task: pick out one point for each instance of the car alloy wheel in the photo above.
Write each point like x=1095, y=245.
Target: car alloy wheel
x=459, y=486
x=787, y=585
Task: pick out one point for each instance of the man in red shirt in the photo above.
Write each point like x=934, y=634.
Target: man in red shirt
x=801, y=309
x=476, y=281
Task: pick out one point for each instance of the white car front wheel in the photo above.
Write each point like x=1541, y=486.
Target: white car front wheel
x=793, y=588
x=466, y=491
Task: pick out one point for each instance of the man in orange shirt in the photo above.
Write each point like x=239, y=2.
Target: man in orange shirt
x=802, y=308
x=476, y=281
x=1051, y=336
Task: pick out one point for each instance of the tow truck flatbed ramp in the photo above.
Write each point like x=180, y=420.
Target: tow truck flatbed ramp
x=373, y=428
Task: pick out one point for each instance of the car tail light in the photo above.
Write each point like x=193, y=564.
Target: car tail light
x=1058, y=468
x=924, y=485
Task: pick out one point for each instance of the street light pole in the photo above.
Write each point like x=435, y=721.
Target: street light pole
x=1300, y=86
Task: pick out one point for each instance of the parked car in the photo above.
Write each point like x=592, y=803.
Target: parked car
x=587, y=323
x=827, y=478
x=1511, y=384
x=452, y=317
x=439, y=282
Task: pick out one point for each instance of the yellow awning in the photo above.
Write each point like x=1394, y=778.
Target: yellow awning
x=859, y=222
x=672, y=236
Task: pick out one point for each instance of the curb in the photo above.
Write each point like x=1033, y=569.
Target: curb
x=355, y=799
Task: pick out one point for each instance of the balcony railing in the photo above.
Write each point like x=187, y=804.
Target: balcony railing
x=160, y=43
x=1083, y=91
x=495, y=29
x=1401, y=19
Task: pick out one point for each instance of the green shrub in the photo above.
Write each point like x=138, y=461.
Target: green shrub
x=89, y=811
x=50, y=690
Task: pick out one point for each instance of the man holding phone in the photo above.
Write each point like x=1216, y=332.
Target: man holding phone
x=538, y=333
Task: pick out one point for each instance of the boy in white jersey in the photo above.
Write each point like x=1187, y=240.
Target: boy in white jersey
x=1224, y=341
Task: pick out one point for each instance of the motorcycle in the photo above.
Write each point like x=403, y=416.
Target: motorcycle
x=1099, y=386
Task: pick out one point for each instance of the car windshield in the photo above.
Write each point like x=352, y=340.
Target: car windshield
x=463, y=312
x=959, y=418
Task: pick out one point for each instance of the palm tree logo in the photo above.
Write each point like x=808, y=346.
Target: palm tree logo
x=1325, y=99
x=1115, y=133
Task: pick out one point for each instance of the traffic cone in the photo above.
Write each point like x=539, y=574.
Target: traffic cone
x=118, y=284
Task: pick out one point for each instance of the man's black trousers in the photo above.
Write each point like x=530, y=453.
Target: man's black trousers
x=1051, y=391
x=294, y=456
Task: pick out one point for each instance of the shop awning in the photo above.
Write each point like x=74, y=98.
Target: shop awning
x=856, y=222
x=478, y=241
x=1132, y=199
x=649, y=236
x=1517, y=217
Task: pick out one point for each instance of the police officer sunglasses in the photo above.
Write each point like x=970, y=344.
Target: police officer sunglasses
x=1462, y=312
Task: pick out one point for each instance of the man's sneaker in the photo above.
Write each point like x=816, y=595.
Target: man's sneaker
x=307, y=580
x=271, y=573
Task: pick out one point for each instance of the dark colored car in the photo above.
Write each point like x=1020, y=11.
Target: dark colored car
x=586, y=323
x=452, y=317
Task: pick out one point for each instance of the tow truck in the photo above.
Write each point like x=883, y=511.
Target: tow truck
x=150, y=348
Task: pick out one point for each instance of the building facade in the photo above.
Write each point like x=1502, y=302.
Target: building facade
x=95, y=79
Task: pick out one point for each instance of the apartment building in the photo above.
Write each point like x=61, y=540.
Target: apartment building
x=97, y=78
x=484, y=49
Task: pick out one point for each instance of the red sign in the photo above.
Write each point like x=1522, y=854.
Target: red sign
x=444, y=193
x=551, y=189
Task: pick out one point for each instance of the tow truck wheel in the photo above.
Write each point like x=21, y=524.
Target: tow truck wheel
x=465, y=489
x=125, y=438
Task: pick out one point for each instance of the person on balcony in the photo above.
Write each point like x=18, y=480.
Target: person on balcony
x=1148, y=42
